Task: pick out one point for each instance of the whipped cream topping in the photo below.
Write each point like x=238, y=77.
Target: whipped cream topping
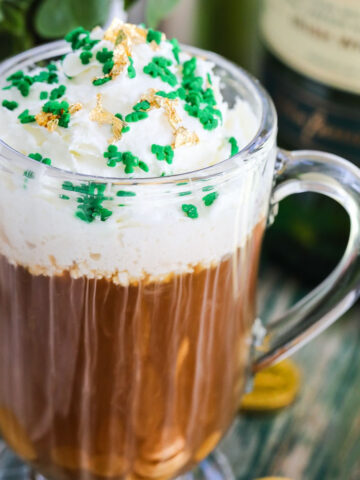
x=126, y=103
x=80, y=147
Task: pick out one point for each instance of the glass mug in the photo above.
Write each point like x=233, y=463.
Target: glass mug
x=125, y=345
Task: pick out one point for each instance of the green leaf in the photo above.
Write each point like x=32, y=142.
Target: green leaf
x=129, y=3
x=13, y=21
x=90, y=13
x=54, y=18
x=156, y=10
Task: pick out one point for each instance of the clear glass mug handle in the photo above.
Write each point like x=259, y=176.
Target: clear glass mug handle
x=330, y=175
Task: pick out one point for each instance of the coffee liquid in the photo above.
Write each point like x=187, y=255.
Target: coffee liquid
x=102, y=380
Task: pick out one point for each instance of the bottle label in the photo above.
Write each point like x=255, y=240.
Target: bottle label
x=318, y=38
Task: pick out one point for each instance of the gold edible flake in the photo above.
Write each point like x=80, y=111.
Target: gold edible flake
x=75, y=107
x=124, y=36
x=121, y=59
x=170, y=111
x=151, y=97
x=112, y=32
x=104, y=117
x=134, y=33
x=157, y=101
x=47, y=120
x=184, y=137
x=119, y=31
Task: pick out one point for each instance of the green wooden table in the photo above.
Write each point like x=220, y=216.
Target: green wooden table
x=318, y=437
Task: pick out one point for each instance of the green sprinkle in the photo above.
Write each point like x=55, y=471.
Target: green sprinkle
x=192, y=110
x=179, y=93
x=125, y=193
x=64, y=120
x=208, y=188
x=214, y=111
x=21, y=82
x=143, y=166
x=144, y=105
x=90, y=44
x=39, y=158
x=209, y=78
x=85, y=57
x=209, y=97
x=210, y=198
x=100, y=81
x=24, y=87
x=56, y=93
x=207, y=119
x=15, y=76
x=189, y=67
x=44, y=95
x=131, y=70
x=24, y=117
x=183, y=194
x=163, y=152
x=29, y=174
x=10, y=105
x=129, y=160
x=194, y=98
x=234, y=146
x=60, y=109
x=190, y=210
x=153, y=36
x=126, y=128
x=176, y=49
x=68, y=186
x=136, y=116
x=80, y=38
x=36, y=156
x=64, y=197
x=73, y=37
x=48, y=75
x=158, y=67
x=57, y=108
x=90, y=202
x=108, y=66
x=104, y=55
x=193, y=83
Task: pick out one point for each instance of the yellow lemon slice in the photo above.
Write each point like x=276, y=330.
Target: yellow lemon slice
x=275, y=387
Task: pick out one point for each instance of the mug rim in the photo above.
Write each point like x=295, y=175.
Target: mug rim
x=267, y=122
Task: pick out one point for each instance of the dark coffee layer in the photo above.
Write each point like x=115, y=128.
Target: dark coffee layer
x=101, y=380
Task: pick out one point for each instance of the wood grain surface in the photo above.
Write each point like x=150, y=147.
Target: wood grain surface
x=318, y=437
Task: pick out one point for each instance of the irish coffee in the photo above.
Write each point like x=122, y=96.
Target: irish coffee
x=127, y=282
x=104, y=380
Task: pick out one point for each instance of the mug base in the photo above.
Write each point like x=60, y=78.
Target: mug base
x=214, y=467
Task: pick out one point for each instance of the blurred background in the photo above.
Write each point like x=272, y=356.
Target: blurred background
x=306, y=53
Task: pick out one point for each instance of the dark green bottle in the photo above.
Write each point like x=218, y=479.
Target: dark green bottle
x=311, y=68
